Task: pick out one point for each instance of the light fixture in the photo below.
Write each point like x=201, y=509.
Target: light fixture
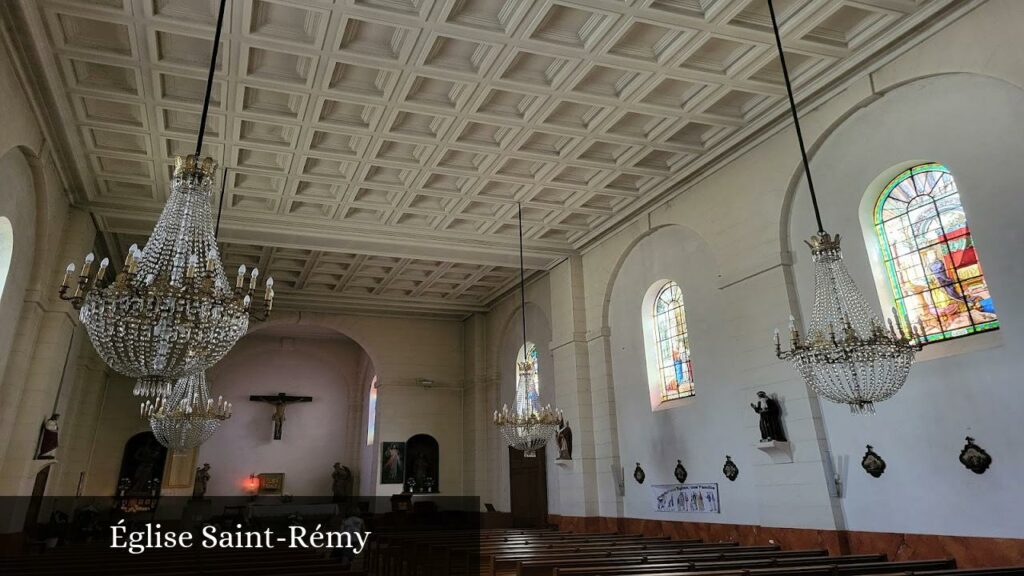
x=847, y=356
x=171, y=311
x=527, y=426
x=188, y=416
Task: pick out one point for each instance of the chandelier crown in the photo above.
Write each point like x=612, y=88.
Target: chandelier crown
x=191, y=166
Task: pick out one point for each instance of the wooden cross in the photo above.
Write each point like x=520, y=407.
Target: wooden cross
x=280, y=400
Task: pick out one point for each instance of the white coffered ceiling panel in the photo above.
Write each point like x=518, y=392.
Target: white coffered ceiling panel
x=376, y=148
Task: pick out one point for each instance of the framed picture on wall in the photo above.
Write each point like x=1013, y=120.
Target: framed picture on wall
x=271, y=483
x=392, y=463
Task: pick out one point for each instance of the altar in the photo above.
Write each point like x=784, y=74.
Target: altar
x=285, y=509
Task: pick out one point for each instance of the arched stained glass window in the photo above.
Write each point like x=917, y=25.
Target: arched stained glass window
x=527, y=383
x=930, y=259
x=371, y=419
x=6, y=250
x=673, y=344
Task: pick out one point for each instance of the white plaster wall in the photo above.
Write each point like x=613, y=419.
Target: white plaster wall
x=972, y=124
x=18, y=205
x=314, y=434
x=729, y=358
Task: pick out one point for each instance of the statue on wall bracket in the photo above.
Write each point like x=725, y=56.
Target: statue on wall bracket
x=771, y=418
x=202, y=480
x=872, y=463
x=564, y=440
x=974, y=457
x=639, y=475
x=730, y=469
x=680, y=472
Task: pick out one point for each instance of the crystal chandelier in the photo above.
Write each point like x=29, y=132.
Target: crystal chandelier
x=188, y=416
x=848, y=356
x=171, y=311
x=527, y=427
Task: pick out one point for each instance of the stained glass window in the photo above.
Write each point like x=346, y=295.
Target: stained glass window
x=528, y=388
x=371, y=420
x=673, y=344
x=929, y=255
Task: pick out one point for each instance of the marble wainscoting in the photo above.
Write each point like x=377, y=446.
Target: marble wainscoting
x=969, y=552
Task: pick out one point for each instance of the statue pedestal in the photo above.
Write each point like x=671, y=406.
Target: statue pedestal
x=780, y=452
x=566, y=463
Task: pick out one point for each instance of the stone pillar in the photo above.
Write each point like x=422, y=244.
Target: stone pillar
x=606, y=435
x=578, y=479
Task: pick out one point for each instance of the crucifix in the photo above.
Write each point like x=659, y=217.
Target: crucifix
x=279, y=401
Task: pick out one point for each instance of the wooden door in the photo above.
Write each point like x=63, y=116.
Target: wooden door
x=31, y=525
x=528, y=489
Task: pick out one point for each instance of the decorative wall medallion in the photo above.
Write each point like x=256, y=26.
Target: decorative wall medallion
x=974, y=457
x=639, y=474
x=873, y=463
x=680, y=472
x=730, y=469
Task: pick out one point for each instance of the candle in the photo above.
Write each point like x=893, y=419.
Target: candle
x=89, y=258
x=252, y=280
x=241, y=276
x=67, y=274
x=103, y=268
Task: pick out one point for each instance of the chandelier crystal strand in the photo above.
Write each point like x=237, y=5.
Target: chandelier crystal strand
x=188, y=416
x=171, y=311
x=848, y=356
x=527, y=427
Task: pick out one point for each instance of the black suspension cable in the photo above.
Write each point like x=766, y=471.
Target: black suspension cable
x=220, y=205
x=522, y=280
x=796, y=118
x=209, y=79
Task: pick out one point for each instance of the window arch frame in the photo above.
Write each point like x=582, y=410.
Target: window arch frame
x=6, y=252
x=528, y=352
x=661, y=359
x=894, y=293
x=371, y=413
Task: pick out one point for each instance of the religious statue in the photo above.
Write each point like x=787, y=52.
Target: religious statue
x=279, y=401
x=48, y=440
x=341, y=484
x=974, y=457
x=771, y=418
x=202, y=478
x=564, y=439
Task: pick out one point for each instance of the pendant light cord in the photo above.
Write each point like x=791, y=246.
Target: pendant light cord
x=522, y=280
x=209, y=79
x=796, y=118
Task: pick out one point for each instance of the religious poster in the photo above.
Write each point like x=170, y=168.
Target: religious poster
x=392, y=463
x=698, y=498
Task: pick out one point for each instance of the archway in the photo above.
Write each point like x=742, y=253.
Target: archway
x=142, y=466
x=298, y=360
x=423, y=458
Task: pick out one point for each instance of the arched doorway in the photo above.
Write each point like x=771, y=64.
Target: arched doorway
x=142, y=466
x=422, y=456
x=35, y=502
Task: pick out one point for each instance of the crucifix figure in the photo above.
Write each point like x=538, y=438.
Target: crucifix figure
x=279, y=401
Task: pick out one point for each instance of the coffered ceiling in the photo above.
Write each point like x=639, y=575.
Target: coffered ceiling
x=375, y=149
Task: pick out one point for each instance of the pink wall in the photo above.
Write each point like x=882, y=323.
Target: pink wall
x=316, y=434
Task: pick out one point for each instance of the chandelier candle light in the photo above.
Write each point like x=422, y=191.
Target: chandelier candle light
x=847, y=356
x=171, y=311
x=188, y=416
x=527, y=427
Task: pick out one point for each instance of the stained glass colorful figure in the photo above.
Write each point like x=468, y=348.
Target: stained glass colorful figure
x=531, y=381
x=371, y=420
x=930, y=259
x=673, y=345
